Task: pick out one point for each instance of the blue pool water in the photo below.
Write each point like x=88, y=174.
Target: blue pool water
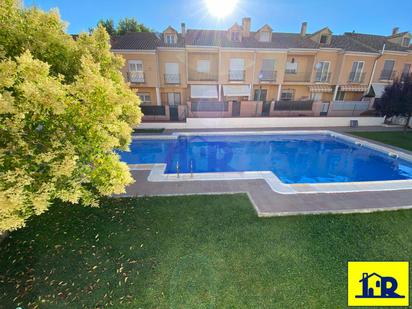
x=314, y=158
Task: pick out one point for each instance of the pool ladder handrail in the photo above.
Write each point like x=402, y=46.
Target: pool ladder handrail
x=191, y=168
x=177, y=169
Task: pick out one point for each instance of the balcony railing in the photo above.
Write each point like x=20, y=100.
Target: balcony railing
x=236, y=75
x=322, y=77
x=356, y=77
x=172, y=78
x=135, y=77
x=202, y=76
x=294, y=76
x=387, y=75
x=267, y=76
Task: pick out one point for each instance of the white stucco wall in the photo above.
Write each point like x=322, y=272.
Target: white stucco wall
x=261, y=122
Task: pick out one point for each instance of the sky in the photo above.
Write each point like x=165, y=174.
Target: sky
x=363, y=16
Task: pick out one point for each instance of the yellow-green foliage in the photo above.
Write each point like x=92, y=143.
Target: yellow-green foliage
x=64, y=109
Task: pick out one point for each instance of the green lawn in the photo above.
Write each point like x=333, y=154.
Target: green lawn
x=398, y=138
x=191, y=252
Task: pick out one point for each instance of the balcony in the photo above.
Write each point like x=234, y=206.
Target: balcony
x=295, y=76
x=236, y=75
x=267, y=76
x=322, y=77
x=172, y=79
x=356, y=77
x=202, y=76
x=387, y=75
x=135, y=77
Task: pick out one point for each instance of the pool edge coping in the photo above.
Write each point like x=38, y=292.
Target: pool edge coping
x=157, y=170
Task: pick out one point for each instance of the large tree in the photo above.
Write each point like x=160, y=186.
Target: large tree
x=108, y=24
x=64, y=111
x=130, y=25
x=124, y=25
x=397, y=99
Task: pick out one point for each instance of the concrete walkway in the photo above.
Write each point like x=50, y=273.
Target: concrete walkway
x=269, y=203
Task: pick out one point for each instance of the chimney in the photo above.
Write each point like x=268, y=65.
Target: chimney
x=303, y=29
x=246, y=26
x=395, y=30
x=183, y=29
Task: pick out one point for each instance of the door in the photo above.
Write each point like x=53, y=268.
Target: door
x=235, y=108
x=174, y=113
x=260, y=94
x=173, y=98
x=266, y=109
x=324, y=109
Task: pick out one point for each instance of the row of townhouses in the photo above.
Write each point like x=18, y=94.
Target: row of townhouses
x=239, y=72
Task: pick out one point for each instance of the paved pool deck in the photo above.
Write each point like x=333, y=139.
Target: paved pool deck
x=269, y=203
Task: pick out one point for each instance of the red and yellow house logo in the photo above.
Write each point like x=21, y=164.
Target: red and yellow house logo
x=378, y=283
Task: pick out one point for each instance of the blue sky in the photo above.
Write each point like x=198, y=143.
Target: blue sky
x=364, y=16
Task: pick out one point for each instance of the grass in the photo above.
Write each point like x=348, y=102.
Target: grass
x=139, y=131
x=191, y=252
x=396, y=138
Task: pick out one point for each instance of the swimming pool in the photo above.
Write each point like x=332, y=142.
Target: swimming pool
x=293, y=157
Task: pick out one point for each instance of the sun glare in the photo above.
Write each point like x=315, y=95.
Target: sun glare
x=220, y=8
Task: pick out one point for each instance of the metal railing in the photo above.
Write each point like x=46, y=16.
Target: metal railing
x=171, y=78
x=135, y=77
x=293, y=105
x=321, y=77
x=387, y=75
x=356, y=77
x=153, y=110
x=202, y=76
x=209, y=107
x=349, y=106
x=236, y=75
x=267, y=76
x=295, y=76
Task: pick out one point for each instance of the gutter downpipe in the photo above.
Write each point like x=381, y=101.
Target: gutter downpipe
x=374, y=66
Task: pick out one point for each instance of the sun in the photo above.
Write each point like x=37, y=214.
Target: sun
x=221, y=8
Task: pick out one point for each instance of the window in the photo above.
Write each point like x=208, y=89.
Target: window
x=267, y=71
x=356, y=75
x=145, y=98
x=316, y=96
x=287, y=94
x=135, y=66
x=172, y=73
x=291, y=67
x=265, y=36
x=173, y=98
x=387, y=72
x=260, y=95
x=340, y=95
x=324, y=39
x=203, y=66
x=170, y=38
x=322, y=71
x=406, y=70
x=406, y=42
x=235, y=36
x=268, y=64
x=237, y=69
x=135, y=73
